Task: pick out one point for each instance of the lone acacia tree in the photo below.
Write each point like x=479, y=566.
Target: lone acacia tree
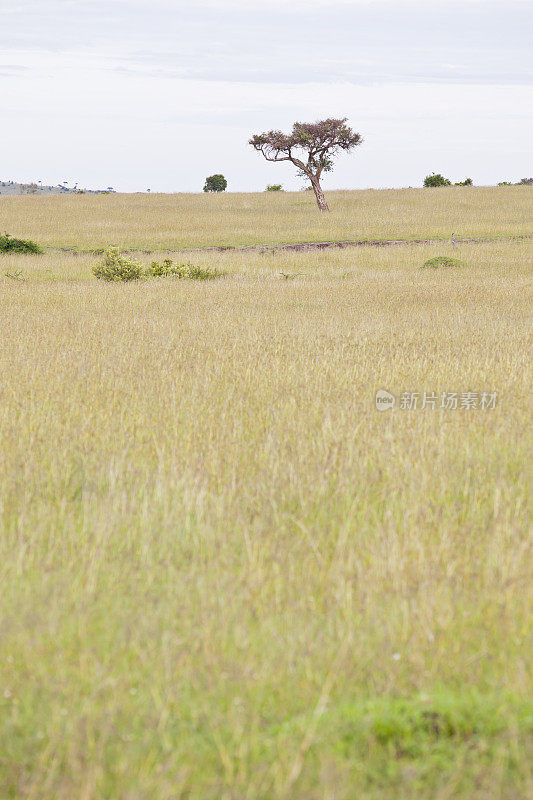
x=311, y=146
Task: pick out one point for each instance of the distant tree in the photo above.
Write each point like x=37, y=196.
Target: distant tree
x=215, y=183
x=466, y=182
x=274, y=187
x=316, y=144
x=436, y=180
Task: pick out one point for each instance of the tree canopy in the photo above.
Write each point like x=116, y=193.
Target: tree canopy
x=215, y=183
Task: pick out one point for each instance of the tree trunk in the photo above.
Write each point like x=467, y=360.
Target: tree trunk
x=319, y=194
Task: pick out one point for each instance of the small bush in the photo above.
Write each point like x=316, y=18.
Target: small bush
x=115, y=267
x=436, y=180
x=169, y=269
x=274, y=187
x=10, y=245
x=466, y=182
x=444, y=261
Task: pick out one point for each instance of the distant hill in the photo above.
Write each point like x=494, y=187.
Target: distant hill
x=11, y=187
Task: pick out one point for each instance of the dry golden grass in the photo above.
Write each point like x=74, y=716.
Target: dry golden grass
x=175, y=221
x=224, y=573
x=485, y=257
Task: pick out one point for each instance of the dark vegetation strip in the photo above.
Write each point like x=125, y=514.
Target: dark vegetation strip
x=298, y=246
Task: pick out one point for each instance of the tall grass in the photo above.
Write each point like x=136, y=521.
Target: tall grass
x=225, y=574
x=176, y=221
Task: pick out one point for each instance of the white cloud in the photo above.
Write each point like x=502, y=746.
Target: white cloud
x=138, y=94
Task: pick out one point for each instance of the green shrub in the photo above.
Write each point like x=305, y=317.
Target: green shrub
x=156, y=270
x=10, y=245
x=436, y=180
x=274, y=187
x=444, y=261
x=169, y=269
x=115, y=267
x=466, y=182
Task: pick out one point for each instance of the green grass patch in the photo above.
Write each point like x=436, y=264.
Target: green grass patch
x=443, y=261
x=410, y=726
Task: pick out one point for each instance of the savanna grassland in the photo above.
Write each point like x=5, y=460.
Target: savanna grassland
x=224, y=573
x=170, y=221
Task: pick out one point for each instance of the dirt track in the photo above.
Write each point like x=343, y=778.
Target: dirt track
x=302, y=246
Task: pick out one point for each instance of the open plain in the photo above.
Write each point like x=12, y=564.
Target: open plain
x=224, y=573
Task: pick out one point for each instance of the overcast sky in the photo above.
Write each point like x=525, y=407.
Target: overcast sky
x=158, y=94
